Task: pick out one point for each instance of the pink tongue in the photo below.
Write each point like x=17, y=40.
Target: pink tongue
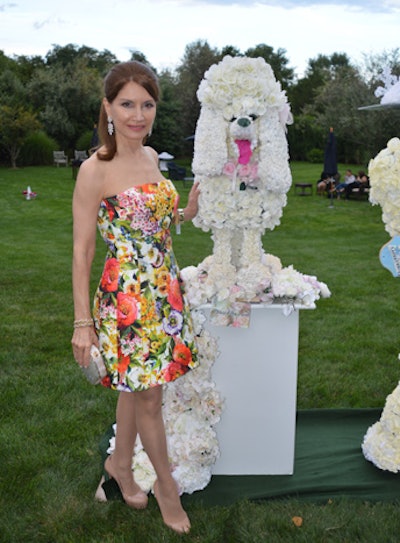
x=245, y=151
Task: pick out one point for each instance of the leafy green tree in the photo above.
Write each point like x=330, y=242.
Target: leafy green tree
x=374, y=63
x=62, y=55
x=360, y=134
x=303, y=136
x=309, y=129
x=25, y=67
x=319, y=71
x=67, y=99
x=277, y=60
x=6, y=62
x=168, y=132
x=64, y=89
x=198, y=57
x=37, y=150
x=12, y=91
x=68, y=55
x=140, y=57
x=16, y=125
x=231, y=50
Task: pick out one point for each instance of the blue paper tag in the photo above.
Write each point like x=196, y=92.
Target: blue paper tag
x=390, y=256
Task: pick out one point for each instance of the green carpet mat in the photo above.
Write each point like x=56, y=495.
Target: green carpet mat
x=328, y=463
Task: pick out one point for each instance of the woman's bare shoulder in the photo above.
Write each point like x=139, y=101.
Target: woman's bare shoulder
x=153, y=153
x=91, y=176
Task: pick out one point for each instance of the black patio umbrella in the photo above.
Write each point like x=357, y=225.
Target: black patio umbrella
x=330, y=164
x=330, y=156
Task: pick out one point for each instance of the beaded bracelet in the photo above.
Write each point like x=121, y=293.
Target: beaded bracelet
x=83, y=323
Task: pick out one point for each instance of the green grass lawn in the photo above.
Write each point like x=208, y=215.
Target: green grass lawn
x=52, y=420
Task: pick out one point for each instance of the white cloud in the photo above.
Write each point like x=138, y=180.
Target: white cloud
x=4, y=7
x=161, y=29
x=49, y=21
x=365, y=5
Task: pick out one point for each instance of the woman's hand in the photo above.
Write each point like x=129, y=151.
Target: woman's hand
x=190, y=211
x=82, y=341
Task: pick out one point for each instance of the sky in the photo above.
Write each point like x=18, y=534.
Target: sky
x=161, y=29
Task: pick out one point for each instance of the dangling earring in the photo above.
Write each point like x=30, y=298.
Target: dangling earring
x=110, y=126
x=150, y=132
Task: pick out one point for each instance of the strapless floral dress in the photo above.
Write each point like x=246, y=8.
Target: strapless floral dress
x=142, y=318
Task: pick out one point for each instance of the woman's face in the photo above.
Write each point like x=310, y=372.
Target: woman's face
x=133, y=112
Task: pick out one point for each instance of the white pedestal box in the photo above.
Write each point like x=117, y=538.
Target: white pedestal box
x=256, y=374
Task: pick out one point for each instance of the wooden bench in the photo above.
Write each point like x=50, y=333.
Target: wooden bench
x=359, y=194
x=80, y=155
x=306, y=189
x=60, y=157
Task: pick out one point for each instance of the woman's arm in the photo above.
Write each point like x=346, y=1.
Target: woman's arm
x=85, y=205
x=190, y=211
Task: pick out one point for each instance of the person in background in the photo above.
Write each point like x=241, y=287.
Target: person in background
x=363, y=179
x=326, y=183
x=349, y=178
x=361, y=183
x=322, y=183
x=141, y=321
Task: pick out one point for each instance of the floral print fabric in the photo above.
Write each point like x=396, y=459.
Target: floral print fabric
x=142, y=318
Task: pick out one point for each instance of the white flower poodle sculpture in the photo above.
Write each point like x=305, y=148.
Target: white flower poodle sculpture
x=241, y=161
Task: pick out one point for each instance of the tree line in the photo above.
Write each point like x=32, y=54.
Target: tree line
x=52, y=102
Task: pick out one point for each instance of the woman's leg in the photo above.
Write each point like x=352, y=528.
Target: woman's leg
x=321, y=187
x=150, y=426
x=119, y=464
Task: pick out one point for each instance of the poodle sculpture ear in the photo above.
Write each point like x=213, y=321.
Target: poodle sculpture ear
x=210, y=143
x=274, y=157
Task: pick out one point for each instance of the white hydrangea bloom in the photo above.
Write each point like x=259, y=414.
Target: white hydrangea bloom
x=381, y=444
x=384, y=173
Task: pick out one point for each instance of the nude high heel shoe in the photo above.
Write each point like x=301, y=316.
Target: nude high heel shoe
x=109, y=487
x=181, y=522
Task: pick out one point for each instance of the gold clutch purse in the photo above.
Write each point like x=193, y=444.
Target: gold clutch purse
x=96, y=370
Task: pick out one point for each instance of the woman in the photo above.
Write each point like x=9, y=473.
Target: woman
x=142, y=323
x=359, y=184
x=348, y=179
